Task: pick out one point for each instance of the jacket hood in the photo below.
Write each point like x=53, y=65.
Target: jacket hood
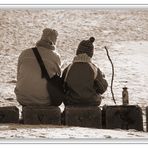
x=45, y=44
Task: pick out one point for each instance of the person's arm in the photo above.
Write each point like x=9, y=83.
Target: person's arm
x=64, y=74
x=58, y=63
x=100, y=82
x=63, y=78
x=19, y=63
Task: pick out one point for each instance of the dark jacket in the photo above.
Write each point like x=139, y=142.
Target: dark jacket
x=84, y=82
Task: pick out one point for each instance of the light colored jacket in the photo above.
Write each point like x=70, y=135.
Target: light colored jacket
x=31, y=87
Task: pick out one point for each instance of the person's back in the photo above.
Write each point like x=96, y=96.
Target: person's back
x=31, y=88
x=83, y=80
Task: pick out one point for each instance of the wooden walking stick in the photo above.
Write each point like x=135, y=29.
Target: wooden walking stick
x=112, y=74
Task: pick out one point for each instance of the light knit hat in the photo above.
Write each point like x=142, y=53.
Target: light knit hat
x=49, y=35
x=86, y=46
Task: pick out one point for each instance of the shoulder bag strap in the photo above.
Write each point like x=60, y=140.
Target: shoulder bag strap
x=41, y=63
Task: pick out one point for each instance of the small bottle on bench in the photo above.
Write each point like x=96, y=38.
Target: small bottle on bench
x=125, y=98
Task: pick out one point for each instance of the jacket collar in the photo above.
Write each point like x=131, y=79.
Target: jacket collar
x=45, y=44
x=82, y=58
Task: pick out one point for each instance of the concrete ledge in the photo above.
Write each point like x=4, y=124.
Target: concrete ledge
x=41, y=115
x=88, y=116
x=9, y=114
x=122, y=117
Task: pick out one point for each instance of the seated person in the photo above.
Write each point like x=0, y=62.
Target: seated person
x=31, y=88
x=84, y=82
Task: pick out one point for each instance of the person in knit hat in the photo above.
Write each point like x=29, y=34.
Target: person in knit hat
x=31, y=88
x=86, y=46
x=84, y=83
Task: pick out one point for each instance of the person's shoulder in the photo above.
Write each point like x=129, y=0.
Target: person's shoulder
x=94, y=66
x=25, y=52
x=56, y=53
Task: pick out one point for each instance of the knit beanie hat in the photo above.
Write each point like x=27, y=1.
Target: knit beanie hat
x=49, y=35
x=86, y=46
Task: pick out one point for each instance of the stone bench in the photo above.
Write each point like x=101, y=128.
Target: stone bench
x=83, y=116
x=41, y=115
x=9, y=114
x=122, y=117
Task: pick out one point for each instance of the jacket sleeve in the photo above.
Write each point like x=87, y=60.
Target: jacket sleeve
x=63, y=77
x=19, y=63
x=58, y=62
x=64, y=74
x=100, y=83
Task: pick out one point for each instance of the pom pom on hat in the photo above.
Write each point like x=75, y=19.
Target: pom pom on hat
x=92, y=39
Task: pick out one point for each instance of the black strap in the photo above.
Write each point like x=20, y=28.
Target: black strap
x=41, y=63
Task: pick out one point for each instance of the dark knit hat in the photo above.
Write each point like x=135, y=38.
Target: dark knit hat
x=86, y=46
